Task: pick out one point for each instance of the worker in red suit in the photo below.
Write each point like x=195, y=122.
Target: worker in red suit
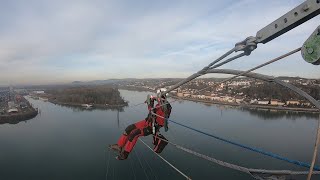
x=145, y=127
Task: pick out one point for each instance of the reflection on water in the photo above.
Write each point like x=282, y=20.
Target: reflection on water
x=79, y=108
x=70, y=142
x=268, y=114
x=13, y=121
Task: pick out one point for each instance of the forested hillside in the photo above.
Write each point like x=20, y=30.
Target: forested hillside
x=87, y=95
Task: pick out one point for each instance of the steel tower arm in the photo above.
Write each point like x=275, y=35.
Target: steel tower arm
x=292, y=19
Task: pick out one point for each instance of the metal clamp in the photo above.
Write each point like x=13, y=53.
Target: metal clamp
x=247, y=45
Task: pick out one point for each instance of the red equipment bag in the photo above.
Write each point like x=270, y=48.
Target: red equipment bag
x=159, y=143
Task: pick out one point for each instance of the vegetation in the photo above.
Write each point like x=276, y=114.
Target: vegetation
x=274, y=91
x=87, y=95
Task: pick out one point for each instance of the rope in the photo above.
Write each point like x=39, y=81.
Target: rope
x=123, y=124
x=201, y=72
x=237, y=167
x=141, y=164
x=108, y=165
x=270, y=154
x=251, y=171
x=187, y=177
x=151, y=169
x=132, y=169
x=315, y=150
x=226, y=61
x=176, y=169
x=257, y=67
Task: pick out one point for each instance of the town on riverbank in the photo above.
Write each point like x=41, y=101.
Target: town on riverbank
x=14, y=107
x=244, y=92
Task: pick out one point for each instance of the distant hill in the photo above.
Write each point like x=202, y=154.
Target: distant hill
x=101, y=82
x=295, y=78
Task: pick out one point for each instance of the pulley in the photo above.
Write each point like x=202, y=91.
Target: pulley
x=311, y=48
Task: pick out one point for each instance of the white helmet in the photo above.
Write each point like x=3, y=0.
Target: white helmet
x=159, y=91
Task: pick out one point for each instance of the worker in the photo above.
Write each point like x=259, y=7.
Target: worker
x=157, y=118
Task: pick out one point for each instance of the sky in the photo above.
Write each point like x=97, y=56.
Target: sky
x=47, y=42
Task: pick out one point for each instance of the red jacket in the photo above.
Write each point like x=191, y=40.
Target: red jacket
x=159, y=111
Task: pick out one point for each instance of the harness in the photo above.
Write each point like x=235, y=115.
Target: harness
x=165, y=107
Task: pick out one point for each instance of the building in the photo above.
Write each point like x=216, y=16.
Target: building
x=11, y=104
x=305, y=103
x=293, y=102
x=180, y=94
x=239, y=99
x=253, y=101
x=263, y=102
x=186, y=95
x=38, y=92
x=13, y=110
x=240, y=83
x=276, y=102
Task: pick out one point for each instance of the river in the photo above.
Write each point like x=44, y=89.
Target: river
x=64, y=143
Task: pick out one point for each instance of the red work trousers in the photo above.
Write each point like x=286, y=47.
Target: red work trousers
x=129, y=138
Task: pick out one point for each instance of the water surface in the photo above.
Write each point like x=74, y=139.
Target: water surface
x=64, y=143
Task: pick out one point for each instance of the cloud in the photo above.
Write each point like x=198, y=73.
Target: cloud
x=61, y=41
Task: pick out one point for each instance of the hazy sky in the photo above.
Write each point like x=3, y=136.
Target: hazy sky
x=44, y=42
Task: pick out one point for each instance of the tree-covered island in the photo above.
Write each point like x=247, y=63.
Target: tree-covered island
x=98, y=96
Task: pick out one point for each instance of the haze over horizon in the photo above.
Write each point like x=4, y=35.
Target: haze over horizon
x=49, y=42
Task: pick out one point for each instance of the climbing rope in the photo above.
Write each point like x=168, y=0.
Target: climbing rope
x=145, y=173
x=171, y=165
x=247, y=147
x=187, y=177
x=247, y=46
x=148, y=165
x=108, y=164
x=239, y=74
x=255, y=173
x=132, y=169
x=255, y=68
x=315, y=150
x=270, y=154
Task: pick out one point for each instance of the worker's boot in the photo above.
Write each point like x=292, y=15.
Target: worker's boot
x=116, y=148
x=123, y=155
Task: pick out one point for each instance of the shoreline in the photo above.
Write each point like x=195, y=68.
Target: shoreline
x=251, y=106
x=103, y=106
x=16, y=118
x=20, y=116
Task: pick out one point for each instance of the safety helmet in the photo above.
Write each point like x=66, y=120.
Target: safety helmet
x=160, y=91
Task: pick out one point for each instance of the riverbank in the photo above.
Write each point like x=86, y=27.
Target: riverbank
x=251, y=106
x=22, y=115
x=100, y=106
x=134, y=88
x=101, y=96
x=16, y=118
